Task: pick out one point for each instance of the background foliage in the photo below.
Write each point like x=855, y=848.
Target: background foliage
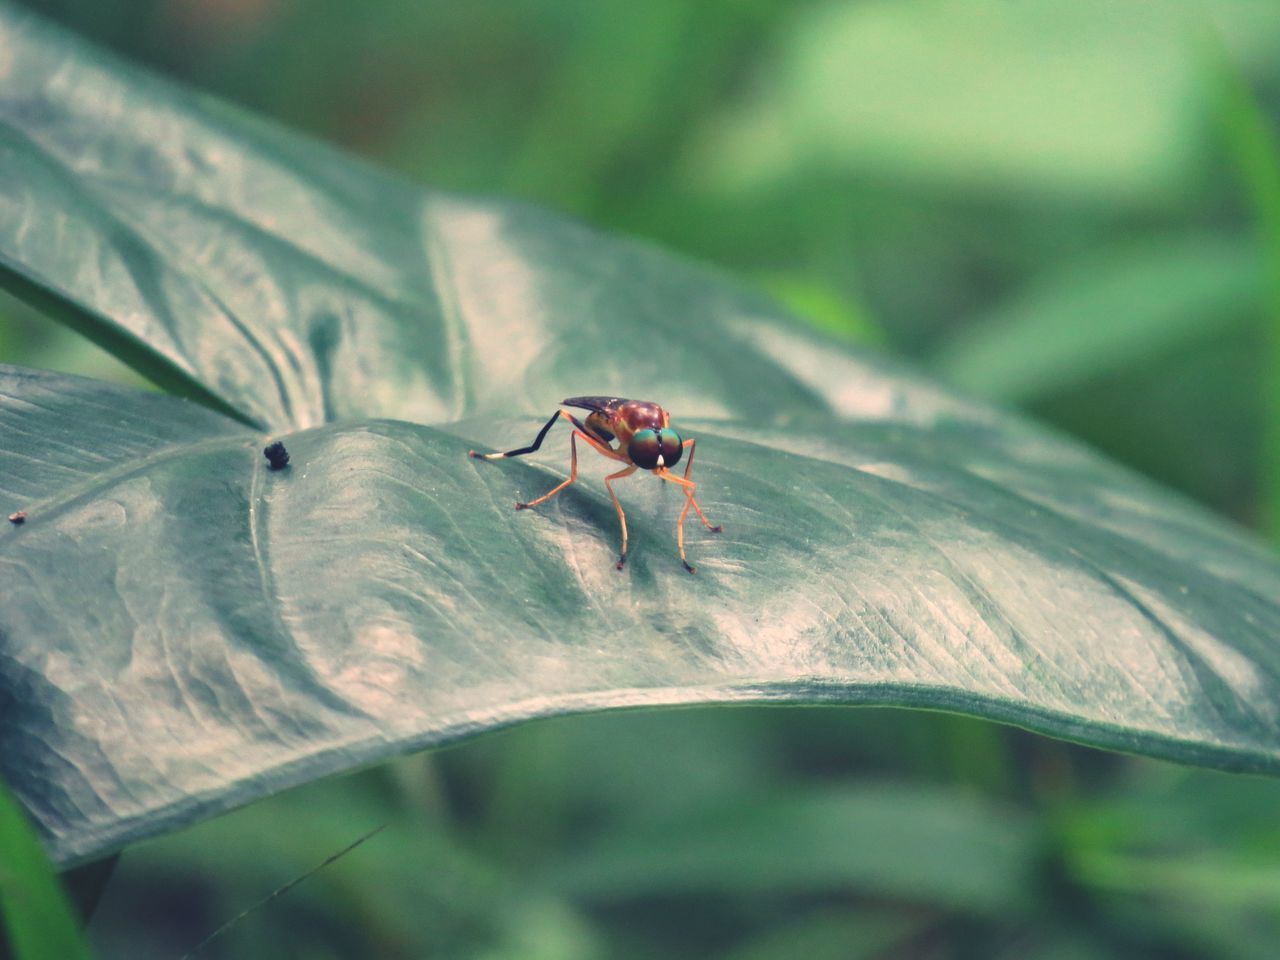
x=1045, y=206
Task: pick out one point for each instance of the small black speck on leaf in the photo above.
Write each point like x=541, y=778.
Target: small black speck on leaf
x=276, y=455
x=18, y=517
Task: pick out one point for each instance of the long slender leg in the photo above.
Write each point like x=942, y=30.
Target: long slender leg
x=689, y=488
x=537, y=441
x=573, y=475
x=622, y=517
x=596, y=443
x=692, y=444
x=573, y=467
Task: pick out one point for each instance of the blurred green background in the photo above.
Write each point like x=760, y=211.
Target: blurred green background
x=1069, y=206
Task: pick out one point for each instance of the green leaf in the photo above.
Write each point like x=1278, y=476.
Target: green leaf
x=187, y=630
x=1117, y=309
x=928, y=845
x=183, y=630
x=824, y=306
x=33, y=908
x=836, y=933
x=1082, y=99
x=1254, y=144
x=298, y=287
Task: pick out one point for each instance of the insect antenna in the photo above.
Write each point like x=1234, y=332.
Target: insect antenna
x=280, y=891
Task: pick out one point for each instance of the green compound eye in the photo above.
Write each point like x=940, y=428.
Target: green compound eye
x=645, y=448
x=672, y=446
x=655, y=448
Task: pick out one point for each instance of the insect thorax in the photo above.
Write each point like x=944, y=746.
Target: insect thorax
x=623, y=421
x=640, y=415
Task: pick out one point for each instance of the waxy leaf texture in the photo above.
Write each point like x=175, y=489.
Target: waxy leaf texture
x=184, y=629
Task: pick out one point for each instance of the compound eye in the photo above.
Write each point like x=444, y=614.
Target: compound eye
x=672, y=446
x=645, y=448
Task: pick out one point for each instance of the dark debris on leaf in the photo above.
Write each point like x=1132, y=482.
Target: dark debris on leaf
x=277, y=456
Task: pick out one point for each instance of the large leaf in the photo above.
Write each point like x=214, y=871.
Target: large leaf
x=299, y=287
x=186, y=629
x=183, y=630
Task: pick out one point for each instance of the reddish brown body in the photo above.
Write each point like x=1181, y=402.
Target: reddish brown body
x=621, y=419
x=644, y=440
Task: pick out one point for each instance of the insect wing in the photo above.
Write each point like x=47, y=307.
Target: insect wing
x=605, y=406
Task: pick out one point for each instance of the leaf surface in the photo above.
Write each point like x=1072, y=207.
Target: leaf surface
x=183, y=630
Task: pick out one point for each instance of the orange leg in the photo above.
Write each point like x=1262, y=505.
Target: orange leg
x=596, y=443
x=688, y=467
x=573, y=475
x=573, y=468
x=689, y=488
x=622, y=517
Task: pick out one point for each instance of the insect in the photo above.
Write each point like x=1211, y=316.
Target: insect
x=645, y=441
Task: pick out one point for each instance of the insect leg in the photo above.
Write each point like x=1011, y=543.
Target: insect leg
x=573, y=475
x=599, y=445
x=622, y=517
x=692, y=444
x=537, y=441
x=573, y=467
x=689, y=488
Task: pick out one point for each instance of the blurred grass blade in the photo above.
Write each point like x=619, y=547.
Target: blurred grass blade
x=1255, y=149
x=36, y=913
x=1118, y=308
x=836, y=933
x=939, y=846
x=825, y=306
x=1239, y=881
x=1078, y=99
